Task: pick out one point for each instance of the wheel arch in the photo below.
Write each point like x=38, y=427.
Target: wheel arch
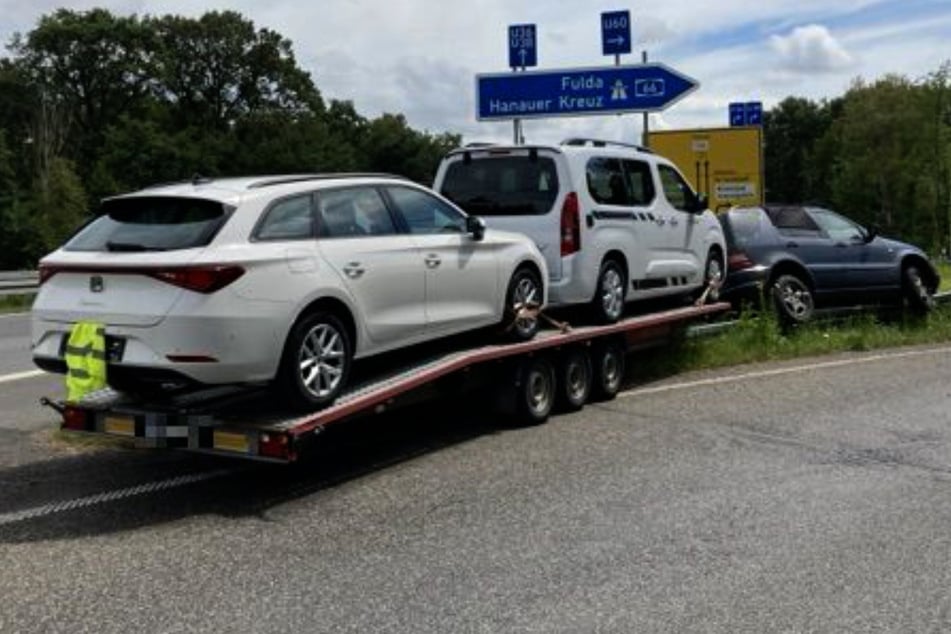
x=335, y=306
x=927, y=271
x=791, y=267
x=618, y=256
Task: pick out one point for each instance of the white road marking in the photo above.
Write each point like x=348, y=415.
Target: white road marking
x=779, y=371
x=19, y=376
x=108, y=496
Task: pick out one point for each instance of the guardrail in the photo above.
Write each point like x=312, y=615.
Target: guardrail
x=18, y=282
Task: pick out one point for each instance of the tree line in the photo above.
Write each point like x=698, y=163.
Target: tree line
x=880, y=154
x=94, y=104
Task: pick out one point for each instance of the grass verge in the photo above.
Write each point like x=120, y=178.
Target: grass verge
x=757, y=337
x=16, y=303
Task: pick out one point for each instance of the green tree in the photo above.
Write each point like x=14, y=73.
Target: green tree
x=793, y=160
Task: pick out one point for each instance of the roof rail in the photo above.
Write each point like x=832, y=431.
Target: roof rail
x=478, y=144
x=582, y=141
x=299, y=178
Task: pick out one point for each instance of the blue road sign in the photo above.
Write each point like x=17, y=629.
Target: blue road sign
x=749, y=113
x=754, y=113
x=579, y=91
x=737, y=114
x=616, y=32
x=522, y=49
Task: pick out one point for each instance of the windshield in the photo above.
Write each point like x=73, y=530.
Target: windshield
x=151, y=224
x=502, y=186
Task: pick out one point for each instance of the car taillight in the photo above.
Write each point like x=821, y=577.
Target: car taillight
x=738, y=260
x=570, y=225
x=201, y=279
x=46, y=271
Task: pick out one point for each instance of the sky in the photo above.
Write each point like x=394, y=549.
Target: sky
x=420, y=57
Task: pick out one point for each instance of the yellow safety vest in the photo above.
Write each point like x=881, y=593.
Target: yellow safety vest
x=85, y=360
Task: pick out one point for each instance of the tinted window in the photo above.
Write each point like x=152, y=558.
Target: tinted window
x=288, y=220
x=835, y=226
x=640, y=181
x=792, y=221
x=351, y=212
x=678, y=192
x=151, y=224
x=606, y=182
x=743, y=226
x=425, y=213
x=502, y=186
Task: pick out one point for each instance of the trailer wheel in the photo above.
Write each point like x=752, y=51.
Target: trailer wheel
x=535, y=390
x=316, y=361
x=574, y=379
x=608, y=364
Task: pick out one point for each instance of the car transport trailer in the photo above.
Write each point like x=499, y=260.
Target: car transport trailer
x=563, y=366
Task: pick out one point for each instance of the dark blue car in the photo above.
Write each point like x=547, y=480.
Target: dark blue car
x=806, y=257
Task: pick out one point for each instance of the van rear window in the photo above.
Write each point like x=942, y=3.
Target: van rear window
x=152, y=223
x=502, y=186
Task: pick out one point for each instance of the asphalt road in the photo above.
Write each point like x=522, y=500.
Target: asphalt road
x=779, y=498
x=15, y=343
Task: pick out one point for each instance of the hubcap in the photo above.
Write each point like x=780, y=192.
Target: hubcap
x=525, y=296
x=609, y=370
x=539, y=391
x=612, y=293
x=322, y=359
x=577, y=379
x=714, y=271
x=796, y=299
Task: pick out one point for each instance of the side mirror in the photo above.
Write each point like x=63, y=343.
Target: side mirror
x=700, y=204
x=475, y=226
x=870, y=234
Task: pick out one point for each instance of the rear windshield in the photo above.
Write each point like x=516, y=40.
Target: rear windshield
x=151, y=224
x=503, y=186
x=742, y=227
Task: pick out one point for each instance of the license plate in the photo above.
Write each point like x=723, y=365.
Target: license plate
x=119, y=425
x=230, y=441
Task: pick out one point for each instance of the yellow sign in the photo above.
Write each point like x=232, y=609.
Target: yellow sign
x=119, y=425
x=726, y=164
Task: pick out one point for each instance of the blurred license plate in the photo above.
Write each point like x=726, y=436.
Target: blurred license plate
x=230, y=441
x=119, y=425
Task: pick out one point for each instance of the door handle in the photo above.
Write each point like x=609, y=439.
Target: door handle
x=661, y=221
x=353, y=270
x=674, y=222
x=432, y=261
x=792, y=245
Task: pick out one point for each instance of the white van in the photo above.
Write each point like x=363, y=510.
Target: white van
x=615, y=222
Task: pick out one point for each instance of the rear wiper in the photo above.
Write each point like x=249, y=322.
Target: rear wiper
x=130, y=247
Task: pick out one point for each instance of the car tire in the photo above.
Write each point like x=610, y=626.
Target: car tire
x=574, y=379
x=607, y=365
x=792, y=299
x=917, y=297
x=713, y=268
x=610, y=293
x=535, y=390
x=316, y=362
x=525, y=288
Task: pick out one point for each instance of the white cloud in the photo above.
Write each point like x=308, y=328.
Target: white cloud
x=810, y=49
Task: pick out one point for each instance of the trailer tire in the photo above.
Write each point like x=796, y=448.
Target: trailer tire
x=535, y=390
x=574, y=379
x=608, y=359
x=318, y=345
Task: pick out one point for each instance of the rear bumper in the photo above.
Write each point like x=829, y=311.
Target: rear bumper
x=222, y=349
x=746, y=285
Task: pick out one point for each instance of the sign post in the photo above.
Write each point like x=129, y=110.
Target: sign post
x=523, y=53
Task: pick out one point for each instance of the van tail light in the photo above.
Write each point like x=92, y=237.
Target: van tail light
x=738, y=261
x=201, y=279
x=570, y=225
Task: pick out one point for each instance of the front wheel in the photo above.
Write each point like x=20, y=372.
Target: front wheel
x=793, y=299
x=916, y=294
x=522, y=303
x=608, y=302
x=316, y=362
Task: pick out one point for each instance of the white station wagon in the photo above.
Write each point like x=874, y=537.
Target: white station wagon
x=286, y=279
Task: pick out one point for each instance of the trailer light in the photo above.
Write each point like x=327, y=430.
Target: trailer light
x=274, y=446
x=75, y=419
